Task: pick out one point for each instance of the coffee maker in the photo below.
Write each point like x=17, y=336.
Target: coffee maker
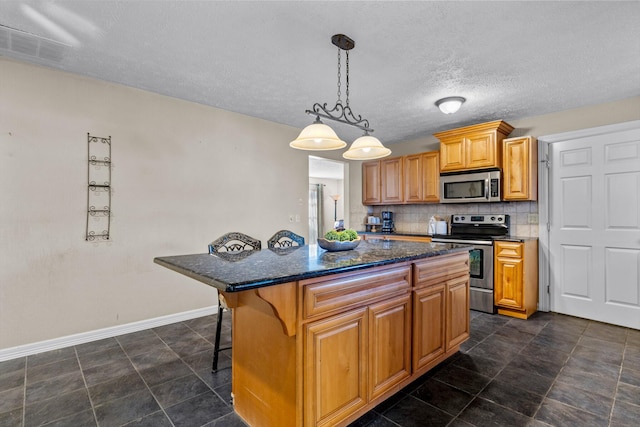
x=387, y=222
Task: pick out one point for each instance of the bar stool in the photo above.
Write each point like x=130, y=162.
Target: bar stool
x=230, y=244
x=285, y=239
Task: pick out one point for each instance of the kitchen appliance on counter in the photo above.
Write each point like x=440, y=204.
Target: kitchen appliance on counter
x=479, y=231
x=470, y=186
x=387, y=222
x=373, y=224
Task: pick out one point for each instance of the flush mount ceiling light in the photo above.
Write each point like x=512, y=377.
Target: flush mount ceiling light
x=450, y=105
x=319, y=137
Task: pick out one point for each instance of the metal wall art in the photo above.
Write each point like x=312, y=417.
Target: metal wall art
x=99, y=188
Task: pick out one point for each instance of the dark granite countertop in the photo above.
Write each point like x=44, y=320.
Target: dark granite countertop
x=508, y=238
x=249, y=270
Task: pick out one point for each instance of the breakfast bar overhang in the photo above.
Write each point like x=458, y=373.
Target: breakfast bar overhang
x=319, y=338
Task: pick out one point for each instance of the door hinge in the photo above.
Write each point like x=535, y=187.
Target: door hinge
x=548, y=227
x=546, y=162
x=548, y=289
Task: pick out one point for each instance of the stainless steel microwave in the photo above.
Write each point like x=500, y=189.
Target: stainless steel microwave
x=470, y=186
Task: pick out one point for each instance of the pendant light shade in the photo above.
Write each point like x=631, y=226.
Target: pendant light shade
x=366, y=147
x=317, y=137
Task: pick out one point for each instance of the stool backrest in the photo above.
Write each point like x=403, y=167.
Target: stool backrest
x=285, y=239
x=234, y=242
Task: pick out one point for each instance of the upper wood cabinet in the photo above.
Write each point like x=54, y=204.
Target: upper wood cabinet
x=409, y=179
x=371, y=183
x=391, y=182
x=382, y=181
x=472, y=147
x=520, y=168
x=431, y=176
x=413, y=178
x=422, y=177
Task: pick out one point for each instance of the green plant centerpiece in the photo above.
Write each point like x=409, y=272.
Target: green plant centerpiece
x=335, y=240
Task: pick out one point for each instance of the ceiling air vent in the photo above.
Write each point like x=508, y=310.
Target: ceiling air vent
x=30, y=45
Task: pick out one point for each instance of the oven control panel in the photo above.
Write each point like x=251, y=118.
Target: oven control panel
x=492, y=219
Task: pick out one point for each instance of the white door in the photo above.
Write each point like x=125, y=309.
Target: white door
x=594, y=236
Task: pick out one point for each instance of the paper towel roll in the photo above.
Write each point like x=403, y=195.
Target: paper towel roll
x=441, y=227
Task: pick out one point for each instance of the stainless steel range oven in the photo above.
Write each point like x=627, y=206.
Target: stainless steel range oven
x=479, y=231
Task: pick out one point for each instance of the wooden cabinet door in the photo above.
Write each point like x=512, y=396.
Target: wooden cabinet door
x=457, y=323
x=429, y=315
x=520, y=168
x=389, y=344
x=452, y=154
x=508, y=274
x=413, y=178
x=431, y=177
x=391, y=180
x=480, y=151
x=335, y=361
x=371, y=183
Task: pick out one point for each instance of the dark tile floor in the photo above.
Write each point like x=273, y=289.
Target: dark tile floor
x=549, y=370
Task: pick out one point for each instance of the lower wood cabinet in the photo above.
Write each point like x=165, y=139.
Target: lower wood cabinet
x=516, y=278
x=389, y=344
x=441, y=309
x=355, y=357
x=335, y=352
x=324, y=351
x=429, y=310
x=458, y=321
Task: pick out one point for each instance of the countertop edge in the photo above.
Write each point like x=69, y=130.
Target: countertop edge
x=255, y=284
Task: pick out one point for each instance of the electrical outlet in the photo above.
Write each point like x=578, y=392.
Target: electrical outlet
x=533, y=218
x=297, y=218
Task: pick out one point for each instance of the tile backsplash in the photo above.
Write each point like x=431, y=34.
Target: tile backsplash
x=415, y=218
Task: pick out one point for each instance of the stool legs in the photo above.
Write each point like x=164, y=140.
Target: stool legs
x=216, y=348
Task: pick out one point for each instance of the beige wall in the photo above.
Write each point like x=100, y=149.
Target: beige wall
x=182, y=175
x=414, y=218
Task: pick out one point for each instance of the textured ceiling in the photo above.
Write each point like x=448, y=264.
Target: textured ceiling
x=273, y=60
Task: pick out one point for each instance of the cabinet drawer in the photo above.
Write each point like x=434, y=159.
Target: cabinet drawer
x=334, y=294
x=509, y=249
x=440, y=269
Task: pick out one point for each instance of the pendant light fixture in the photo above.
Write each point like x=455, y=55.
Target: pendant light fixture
x=318, y=136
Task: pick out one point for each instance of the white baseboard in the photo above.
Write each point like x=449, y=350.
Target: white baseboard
x=85, y=337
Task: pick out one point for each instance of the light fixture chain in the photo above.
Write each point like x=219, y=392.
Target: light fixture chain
x=341, y=112
x=347, y=78
x=339, y=75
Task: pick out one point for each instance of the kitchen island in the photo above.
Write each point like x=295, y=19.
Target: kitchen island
x=320, y=338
